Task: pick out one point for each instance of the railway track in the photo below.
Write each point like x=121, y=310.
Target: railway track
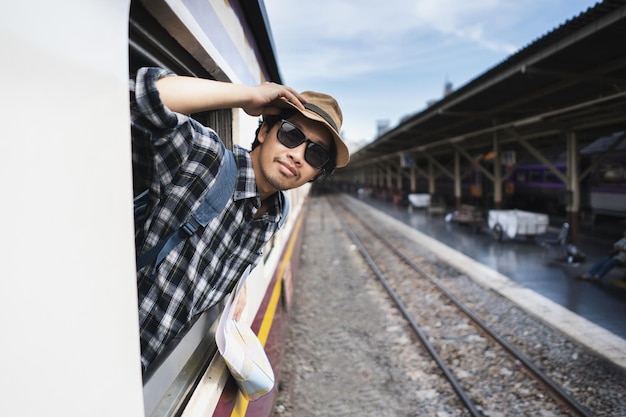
x=472, y=356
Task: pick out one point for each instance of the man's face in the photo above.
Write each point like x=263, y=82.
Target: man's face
x=278, y=167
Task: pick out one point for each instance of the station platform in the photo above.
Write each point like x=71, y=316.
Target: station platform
x=534, y=267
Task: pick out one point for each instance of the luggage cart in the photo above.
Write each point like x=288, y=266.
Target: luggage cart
x=516, y=223
x=418, y=201
x=432, y=205
x=468, y=215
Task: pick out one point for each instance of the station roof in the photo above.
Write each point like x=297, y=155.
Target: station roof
x=573, y=79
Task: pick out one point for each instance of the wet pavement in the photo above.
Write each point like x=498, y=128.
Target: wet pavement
x=524, y=261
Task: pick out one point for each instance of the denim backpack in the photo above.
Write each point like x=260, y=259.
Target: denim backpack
x=212, y=204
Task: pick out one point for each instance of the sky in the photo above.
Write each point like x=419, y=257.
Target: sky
x=385, y=60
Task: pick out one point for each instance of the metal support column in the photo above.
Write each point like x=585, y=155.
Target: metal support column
x=431, y=178
x=388, y=182
x=497, y=173
x=399, y=177
x=457, y=178
x=573, y=186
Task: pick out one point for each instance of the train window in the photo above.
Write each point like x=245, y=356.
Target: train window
x=611, y=173
x=173, y=375
x=155, y=39
x=534, y=176
x=550, y=178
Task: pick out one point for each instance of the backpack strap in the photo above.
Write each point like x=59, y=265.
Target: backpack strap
x=212, y=204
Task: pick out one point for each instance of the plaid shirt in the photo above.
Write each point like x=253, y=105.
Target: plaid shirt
x=177, y=159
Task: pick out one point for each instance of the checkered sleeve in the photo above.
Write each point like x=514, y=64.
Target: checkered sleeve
x=145, y=97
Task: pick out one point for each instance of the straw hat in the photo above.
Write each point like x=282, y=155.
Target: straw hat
x=325, y=109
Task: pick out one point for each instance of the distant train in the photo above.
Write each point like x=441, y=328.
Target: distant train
x=602, y=190
x=535, y=187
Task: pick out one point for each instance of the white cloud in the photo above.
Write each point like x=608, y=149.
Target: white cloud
x=467, y=20
x=342, y=39
x=384, y=60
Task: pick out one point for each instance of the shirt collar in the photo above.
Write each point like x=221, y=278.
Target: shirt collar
x=245, y=186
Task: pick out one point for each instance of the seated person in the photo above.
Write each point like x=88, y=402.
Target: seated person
x=616, y=257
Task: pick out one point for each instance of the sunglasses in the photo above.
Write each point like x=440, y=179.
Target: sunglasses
x=290, y=136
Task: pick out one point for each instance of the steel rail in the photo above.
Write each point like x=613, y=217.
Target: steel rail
x=416, y=328
x=556, y=389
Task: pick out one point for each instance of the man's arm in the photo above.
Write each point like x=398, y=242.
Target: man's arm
x=188, y=95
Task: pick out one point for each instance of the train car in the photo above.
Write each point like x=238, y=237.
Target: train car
x=69, y=314
x=608, y=186
x=607, y=182
x=602, y=190
x=535, y=187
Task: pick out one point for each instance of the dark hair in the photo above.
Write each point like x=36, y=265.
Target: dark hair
x=270, y=121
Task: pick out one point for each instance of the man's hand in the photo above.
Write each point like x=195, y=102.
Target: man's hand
x=242, y=299
x=265, y=99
